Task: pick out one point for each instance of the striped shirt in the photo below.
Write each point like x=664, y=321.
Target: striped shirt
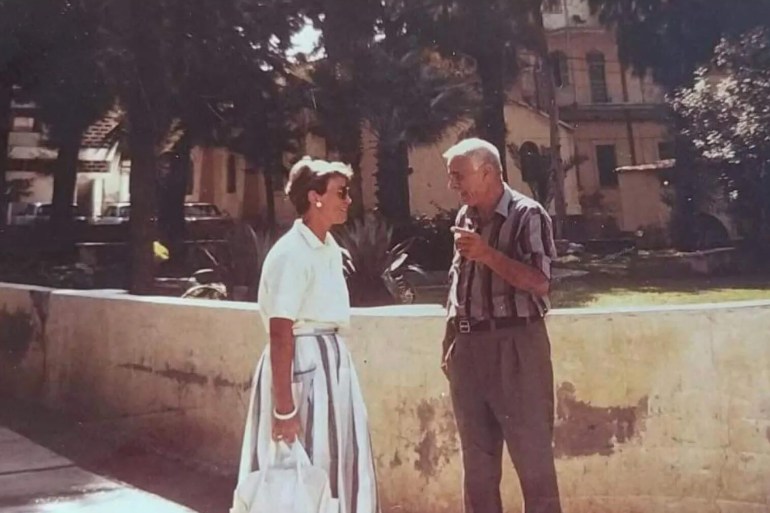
x=520, y=228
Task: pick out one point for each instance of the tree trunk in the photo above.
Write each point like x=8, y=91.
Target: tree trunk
x=342, y=47
x=267, y=174
x=491, y=124
x=64, y=182
x=553, y=118
x=5, y=124
x=143, y=135
x=393, y=181
x=685, y=182
x=344, y=136
x=173, y=189
x=142, y=191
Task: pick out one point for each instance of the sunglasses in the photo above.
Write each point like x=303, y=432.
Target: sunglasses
x=343, y=192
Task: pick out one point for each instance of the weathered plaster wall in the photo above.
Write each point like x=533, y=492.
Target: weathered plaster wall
x=657, y=409
x=23, y=347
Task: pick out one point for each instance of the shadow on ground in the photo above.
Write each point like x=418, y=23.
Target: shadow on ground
x=127, y=461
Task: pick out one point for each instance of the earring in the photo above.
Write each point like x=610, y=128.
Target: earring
x=319, y=204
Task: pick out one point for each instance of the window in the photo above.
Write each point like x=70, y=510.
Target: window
x=597, y=77
x=190, y=186
x=559, y=68
x=23, y=124
x=553, y=7
x=531, y=162
x=197, y=210
x=232, y=175
x=607, y=163
x=666, y=150
x=31, y=165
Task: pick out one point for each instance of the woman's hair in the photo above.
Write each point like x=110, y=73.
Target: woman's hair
x=312, y=175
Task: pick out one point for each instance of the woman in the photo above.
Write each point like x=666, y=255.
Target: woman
x=305, y=387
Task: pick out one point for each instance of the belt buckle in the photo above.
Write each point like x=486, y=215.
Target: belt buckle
x=464, y=326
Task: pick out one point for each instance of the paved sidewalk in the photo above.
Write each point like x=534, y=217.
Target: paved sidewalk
x=53, y=463
x=34, y=479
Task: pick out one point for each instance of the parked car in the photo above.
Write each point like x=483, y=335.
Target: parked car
x=115, y=214
x=40, y=213
x=202, y=211
x=118, y=213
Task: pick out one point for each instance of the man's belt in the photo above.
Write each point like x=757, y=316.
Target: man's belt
x=464, y=325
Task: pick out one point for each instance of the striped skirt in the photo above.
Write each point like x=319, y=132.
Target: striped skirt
x=335, y=431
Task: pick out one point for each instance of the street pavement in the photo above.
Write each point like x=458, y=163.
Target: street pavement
x=49, y=464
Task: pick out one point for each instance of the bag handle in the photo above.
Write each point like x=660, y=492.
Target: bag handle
x=279, y=452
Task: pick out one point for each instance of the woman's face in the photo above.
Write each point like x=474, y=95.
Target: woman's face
x=335, y=201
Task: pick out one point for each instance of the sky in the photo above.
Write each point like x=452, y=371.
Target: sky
x=305, y=40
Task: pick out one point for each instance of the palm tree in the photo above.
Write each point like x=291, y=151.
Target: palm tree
x=411, y=99
x=348, y=29
x=189, y=63
x=71, y=93
x=486, y=31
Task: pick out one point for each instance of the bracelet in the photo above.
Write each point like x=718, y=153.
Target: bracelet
x=284, y=416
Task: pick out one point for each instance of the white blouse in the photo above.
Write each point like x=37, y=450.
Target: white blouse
x=303, y=280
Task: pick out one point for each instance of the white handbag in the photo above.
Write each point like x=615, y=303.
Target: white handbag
x=289, y=484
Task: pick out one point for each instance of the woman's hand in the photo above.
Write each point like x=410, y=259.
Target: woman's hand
x=286, y=430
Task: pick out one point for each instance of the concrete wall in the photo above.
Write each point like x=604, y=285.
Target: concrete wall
x=641, y=200
x=659, y=410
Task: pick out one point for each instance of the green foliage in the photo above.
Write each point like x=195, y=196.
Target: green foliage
x=435, y=243
x=370, y=254
x=672, y=39
x=728, y=108
x=411, y=100
x=727, y=117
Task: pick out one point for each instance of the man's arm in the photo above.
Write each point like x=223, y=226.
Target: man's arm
x=517, y=274
x=532, y=276
x=446, y=346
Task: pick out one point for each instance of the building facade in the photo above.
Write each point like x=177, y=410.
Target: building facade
x=619, y=118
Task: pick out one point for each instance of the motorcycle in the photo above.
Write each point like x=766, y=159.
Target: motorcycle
x=207, y=283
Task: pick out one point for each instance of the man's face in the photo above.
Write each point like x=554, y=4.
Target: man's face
x=467, y=181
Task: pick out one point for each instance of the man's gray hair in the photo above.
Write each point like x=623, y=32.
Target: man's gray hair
x=479, y=151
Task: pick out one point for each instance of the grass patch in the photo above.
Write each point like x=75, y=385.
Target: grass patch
x=600, y=290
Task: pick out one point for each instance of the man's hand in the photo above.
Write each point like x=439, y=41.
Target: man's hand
x=447, y=348
x=286, y=430
x=445, y=361
x=470, y=244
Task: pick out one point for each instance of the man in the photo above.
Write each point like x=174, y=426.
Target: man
x=496, y=353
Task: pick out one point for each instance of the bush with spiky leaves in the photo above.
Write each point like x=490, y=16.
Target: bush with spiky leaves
x=369, y=254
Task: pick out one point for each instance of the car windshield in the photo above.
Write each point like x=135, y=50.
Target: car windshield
x=45, y=210
x=201, y=210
